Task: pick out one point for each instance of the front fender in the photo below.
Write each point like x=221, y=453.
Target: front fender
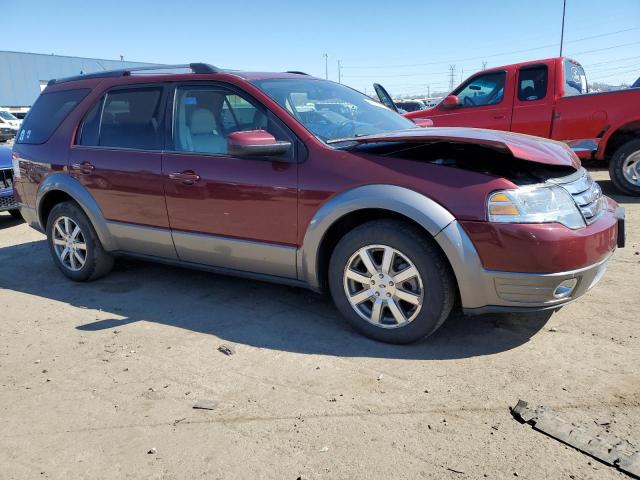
x=432, y=216
x=60, y=182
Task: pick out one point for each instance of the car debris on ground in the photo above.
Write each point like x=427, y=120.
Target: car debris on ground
x=612, y=451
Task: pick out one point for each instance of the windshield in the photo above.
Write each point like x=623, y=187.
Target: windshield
x=575, y=80
x=332, y=111
x=6, y=115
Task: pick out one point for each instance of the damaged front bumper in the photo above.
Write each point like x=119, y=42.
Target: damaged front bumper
x=484, y=290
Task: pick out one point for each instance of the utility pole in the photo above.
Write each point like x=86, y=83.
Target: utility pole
x=428, y=91
x=452, y=76
x=326, y=66
x=484, y=65
x=339, y=71
x=564, y=9
x=461, y=74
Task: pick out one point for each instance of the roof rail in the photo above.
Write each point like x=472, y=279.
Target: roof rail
x=194, y=67
x=297, y=72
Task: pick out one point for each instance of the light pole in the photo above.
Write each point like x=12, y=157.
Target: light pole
x=339, y=71
x=326, y=66
x=564, y=9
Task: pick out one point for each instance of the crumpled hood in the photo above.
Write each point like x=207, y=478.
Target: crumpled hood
x=524, y=147
x=5, y=157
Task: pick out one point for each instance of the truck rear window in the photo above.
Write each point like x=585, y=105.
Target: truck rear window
x=575, y=80
x=47, y=114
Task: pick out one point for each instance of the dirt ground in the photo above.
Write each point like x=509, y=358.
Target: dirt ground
x=95, y=376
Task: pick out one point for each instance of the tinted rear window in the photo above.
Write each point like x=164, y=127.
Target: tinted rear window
x=125, y=118
x=47, y=114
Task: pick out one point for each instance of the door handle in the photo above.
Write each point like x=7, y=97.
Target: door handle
x=84, y=167
x=188, y=178
x=499, y=117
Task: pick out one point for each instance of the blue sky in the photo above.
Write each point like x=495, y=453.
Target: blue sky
x=405, y=45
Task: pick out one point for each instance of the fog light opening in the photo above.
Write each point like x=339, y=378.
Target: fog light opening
x=565, y=288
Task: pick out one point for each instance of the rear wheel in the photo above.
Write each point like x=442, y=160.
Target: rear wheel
x=624, y=168
x=391, y=282
x=74, y=244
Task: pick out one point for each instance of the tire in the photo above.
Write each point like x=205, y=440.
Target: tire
x=628, y=152
x=434, y=286
x=97, y=262
x=16, y=214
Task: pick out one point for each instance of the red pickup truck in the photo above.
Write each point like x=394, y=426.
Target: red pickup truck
x=549, y=98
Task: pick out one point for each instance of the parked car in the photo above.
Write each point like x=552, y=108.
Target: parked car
x=409, y=105
x=7, y=118
x=396, y=221
x=549, y=98
x=8, y=127
x=7, y=199
x=6, y=133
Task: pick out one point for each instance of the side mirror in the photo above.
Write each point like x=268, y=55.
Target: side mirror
x=255, y=143
x=423, y=122
x=450, y=101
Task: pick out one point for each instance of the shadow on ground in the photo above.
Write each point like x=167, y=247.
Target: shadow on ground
x=245, y=311
x=7, y=221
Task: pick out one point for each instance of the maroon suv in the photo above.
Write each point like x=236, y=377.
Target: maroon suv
x=285, y=177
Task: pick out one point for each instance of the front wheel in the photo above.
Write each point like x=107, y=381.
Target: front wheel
x=74, y=244
x=391, y=282
x=624, y=168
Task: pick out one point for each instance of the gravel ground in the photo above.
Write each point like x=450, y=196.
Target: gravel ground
x=99, y=380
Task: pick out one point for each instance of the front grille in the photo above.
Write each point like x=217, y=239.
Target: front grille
x=586, y=193
x=8, y=203
x=6, y=178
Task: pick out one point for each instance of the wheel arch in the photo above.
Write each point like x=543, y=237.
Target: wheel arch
x=619, y=136
x=356, y=206
x=60, y=187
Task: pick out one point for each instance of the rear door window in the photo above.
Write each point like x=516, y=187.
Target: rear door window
x=47, y=114
x=532, y=83
x=575, y=80
x=125, y=118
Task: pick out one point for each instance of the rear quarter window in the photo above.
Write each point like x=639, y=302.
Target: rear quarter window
x=47, y=114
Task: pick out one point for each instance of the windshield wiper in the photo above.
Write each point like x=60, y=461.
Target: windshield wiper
x=346, y=139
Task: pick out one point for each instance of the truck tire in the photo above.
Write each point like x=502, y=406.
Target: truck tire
x=624, y=168
x=391, y=282
x=74, y=244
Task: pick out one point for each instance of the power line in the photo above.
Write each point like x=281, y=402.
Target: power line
x=504, y=53
x=606, y=48
x=610, y=61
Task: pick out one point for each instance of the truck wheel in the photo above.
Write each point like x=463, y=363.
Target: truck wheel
x=391, y=282
x=74, y=244
x=624, y=168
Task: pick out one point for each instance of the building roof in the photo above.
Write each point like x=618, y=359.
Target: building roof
x=21, y=73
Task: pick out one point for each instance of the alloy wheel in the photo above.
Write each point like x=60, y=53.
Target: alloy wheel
x=69, y=243
x=631, y=169
x=383, y=286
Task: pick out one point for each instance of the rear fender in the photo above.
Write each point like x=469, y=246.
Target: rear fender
x=64, y=183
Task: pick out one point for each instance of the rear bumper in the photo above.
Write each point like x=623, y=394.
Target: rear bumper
x=30, y=215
